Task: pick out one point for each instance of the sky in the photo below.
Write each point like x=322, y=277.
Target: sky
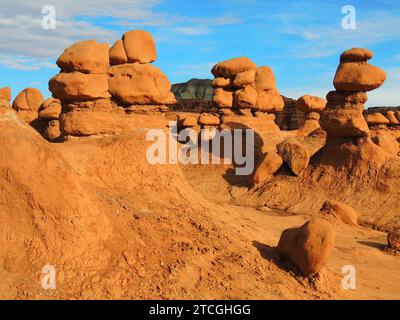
x=300, y=40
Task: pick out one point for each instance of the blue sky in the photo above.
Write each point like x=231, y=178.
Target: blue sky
x=300, y=40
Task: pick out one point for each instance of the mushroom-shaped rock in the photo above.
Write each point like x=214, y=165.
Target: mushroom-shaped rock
x=50, y=109
x=374, y=119
x=139, y=46
x=309, y=103
x=270, y=164
x=232, y=67
x=356, y=55
x=5, y=93
x=85, y=56
x=78, y=86
x=309, y=247
x=341, y=211
x=136, y=83
x=117, y=53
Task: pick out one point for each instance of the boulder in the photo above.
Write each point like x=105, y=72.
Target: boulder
x=29, y=99
x=265, y=79
x=50, y=109
x=85, y=56
x=78, y=86
x=221, y=82
x=387, y=142
x=309, y=247
x=342, y=98
x=187, y=121
x=5, y=93
x=223, y=98
x=232, y=67
x=341, y=211
x=294, y=155
x=269, y=101
x=375, y=119
x=393, y=239
x=245, y=98
x=243, y=79
x=356, y=55
x=136, y=83
x=311, y=104
x=356, y=76
x=207, y=119
x=139, y=46
x=270, y=164
x=117, y=53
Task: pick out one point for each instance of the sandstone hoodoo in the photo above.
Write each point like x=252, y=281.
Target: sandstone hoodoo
x=49, y=113
x=96, y=97
x=27, y=104
x=343, y=116
x=309, y=247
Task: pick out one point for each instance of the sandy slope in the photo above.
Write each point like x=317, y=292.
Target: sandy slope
x=116, y=227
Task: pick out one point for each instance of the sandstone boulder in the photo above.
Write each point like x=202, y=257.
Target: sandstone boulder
x=270, y=101
x=243, y=79
x=387, y=142
x=136, y=83
x=341, y=211
x=117, y=53
x=343, y=98
x=50, y=109
x=85, y=56
x=270, y=164
x=223, y=98
x=5, y=93
x=294, y=155
x=28, y=99
x=78, y=86
x=311, y=104
x=356, y=76
x=245, y=98
x=207, y=119
x=221, y=82
x=309, y=247
x=232, y=67
x=265, y=79
x=139, y=46
x=356, y=55
x=390, y=115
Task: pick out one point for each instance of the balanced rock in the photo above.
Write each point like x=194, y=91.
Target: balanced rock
x=375, y=119
x=341, y=211
x=311, y=104
x=85, y=56
x=139, y=46
x=270, y=163
x=356, y=55
x=309, y=247
x=5, y=93
x=136, y=83
x=232, y=67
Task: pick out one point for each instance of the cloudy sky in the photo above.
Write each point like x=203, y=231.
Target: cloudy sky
x=300, y=40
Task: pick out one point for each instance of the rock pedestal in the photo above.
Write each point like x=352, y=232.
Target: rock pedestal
x=343, y=116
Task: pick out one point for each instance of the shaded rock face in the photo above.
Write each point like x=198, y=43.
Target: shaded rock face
x=309, y=247
x=343, y=116
x=27, y=104
x=239, y=84
x=194, y=89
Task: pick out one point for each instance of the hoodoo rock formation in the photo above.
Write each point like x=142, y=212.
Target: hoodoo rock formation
x=27, y=104
x=344, y=113
x=97, y=98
